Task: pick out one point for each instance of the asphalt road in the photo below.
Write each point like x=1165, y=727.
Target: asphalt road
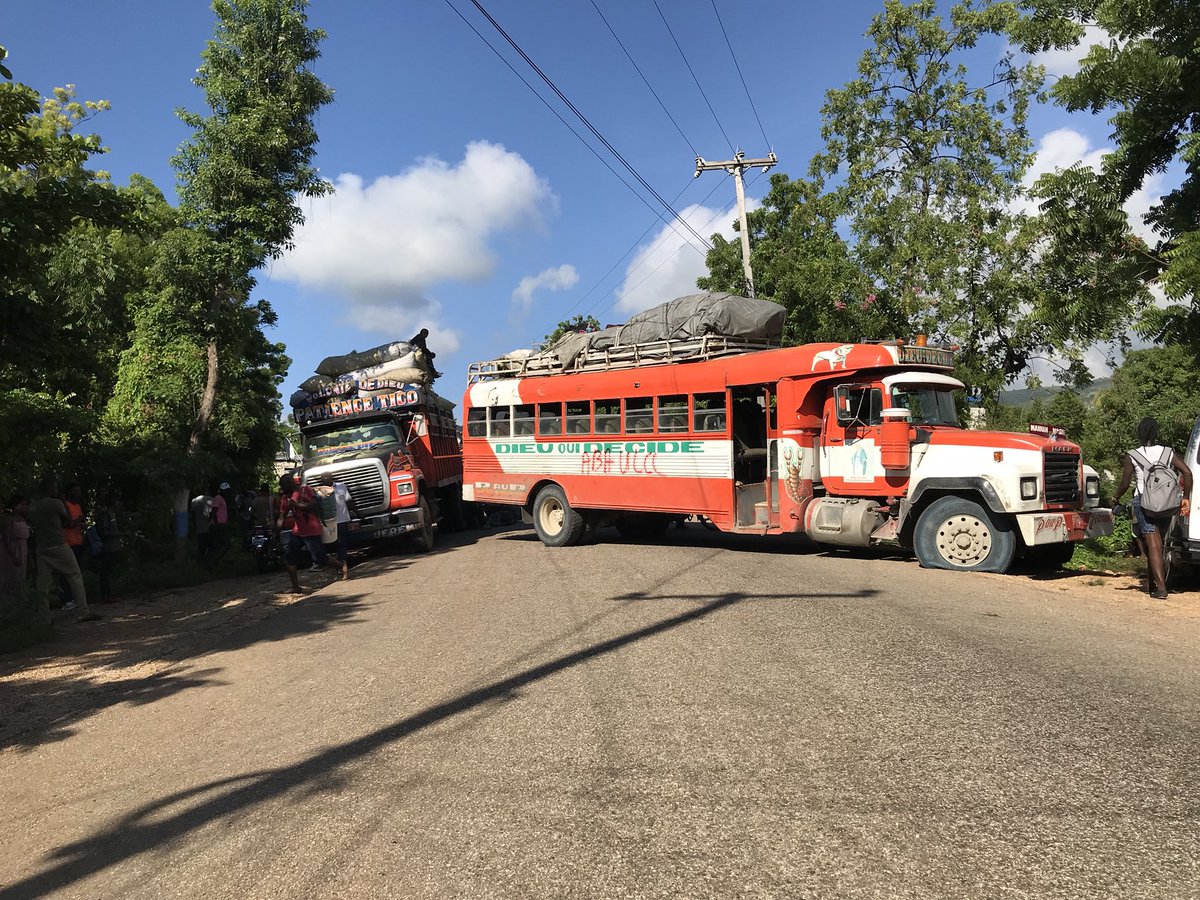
x=708, y=717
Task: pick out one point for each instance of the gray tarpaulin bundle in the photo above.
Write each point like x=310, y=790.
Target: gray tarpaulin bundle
x=683, y=319
x=397, y=361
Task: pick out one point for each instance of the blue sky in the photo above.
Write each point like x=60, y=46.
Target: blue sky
x=462, y=203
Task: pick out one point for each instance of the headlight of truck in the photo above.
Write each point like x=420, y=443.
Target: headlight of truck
x=1091, y=486
x=403, y=488
x=1029, y=488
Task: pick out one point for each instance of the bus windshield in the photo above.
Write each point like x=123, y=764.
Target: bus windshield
x=350, y=439
x=928, y=405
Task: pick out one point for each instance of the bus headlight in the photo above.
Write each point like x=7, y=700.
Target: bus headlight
x=1091, y=486
x=1029, y=488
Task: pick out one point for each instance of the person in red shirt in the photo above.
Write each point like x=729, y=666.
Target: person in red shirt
x=298, y=512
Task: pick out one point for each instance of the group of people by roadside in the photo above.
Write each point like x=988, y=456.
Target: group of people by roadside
x=57, y=533
x=310, y=521
x=313, y=519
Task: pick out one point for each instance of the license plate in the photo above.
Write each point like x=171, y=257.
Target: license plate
x=390, y=531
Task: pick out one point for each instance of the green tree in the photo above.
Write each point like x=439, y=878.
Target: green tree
x=241, y=171
x=929, y=161
x=1158, y=382
x=1094, y=271
x=57, y=334
x=578, y=322
x=802, y=262
x=1147, y=76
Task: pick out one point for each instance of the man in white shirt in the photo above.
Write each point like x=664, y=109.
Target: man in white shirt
x=345, y=511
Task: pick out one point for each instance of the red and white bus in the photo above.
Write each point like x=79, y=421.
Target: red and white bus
x=852, y=444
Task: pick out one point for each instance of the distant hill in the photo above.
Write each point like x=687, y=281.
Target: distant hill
x=1024, y=396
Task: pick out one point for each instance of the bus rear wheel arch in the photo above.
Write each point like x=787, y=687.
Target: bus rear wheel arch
x=960, y=534
x=554, y=519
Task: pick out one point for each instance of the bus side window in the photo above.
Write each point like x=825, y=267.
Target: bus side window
x=579, y=418
x=608, y=417
x=550, y=418
x=672, y=414
x=500, y=420
x=639, y=415
x=709, y=412
x=522, y=423
x=477, y=421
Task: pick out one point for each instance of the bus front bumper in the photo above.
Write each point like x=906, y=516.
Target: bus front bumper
x=1040, y=528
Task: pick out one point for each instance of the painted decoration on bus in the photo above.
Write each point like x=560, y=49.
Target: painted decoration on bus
x=927, y=356
x=671, y=459
x=358, y=405
x=346, y=385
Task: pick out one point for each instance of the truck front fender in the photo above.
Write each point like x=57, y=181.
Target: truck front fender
x=961, y=485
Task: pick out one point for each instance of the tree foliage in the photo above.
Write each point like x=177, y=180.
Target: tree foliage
x=1146, y=76
x=241, y=171
x=1158, y=382
x=577, y=322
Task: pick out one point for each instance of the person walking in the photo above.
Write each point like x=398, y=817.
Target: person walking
x=201, y=508
x=219, y=535
x=73, y=500
x=14, y=557
x=345, y=510
x=111, y=546
x=298, y=514
x=49, y=518
x=1150, y=530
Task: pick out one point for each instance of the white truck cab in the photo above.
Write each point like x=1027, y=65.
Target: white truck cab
x=1182, y=547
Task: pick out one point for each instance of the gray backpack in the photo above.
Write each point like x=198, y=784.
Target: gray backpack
x=1163, y=493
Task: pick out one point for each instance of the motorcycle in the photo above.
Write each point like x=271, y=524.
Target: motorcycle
x=265, y=548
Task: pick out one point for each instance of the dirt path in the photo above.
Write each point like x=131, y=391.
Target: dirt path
x=135, y=654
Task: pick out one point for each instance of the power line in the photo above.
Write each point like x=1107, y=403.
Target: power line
x=694, y=78
x=584, y=119
x=658, y=215
x=645, y=80
x=742, y=77
x=599, y=281
x=624, y=255
x=670, y=255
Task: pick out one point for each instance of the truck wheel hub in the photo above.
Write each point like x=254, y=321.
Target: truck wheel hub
x=964, y=540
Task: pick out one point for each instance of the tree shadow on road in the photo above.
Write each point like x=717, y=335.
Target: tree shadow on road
x=171, y=818
x=42, y=701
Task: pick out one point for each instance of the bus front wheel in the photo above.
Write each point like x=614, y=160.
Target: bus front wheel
x=956, y=533
x=556, y=523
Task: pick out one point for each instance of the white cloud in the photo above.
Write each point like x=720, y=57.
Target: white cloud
x=1065, y=147
x=401, y=322
x=665, y=268
x=1066, y=62
x=382, y=245
x=556, y=279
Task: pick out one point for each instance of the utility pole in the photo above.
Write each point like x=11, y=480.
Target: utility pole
x=736, y=167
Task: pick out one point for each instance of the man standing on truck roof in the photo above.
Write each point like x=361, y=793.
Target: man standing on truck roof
x=298, y=511
x=418, y=341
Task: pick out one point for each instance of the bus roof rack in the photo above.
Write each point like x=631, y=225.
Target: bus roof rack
x=617, y=356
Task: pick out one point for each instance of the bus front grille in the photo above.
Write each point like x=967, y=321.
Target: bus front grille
x=1062, y=477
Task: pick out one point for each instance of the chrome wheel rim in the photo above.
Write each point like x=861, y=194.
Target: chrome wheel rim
x=964, y=540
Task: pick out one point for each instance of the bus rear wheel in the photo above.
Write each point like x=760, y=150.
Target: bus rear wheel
x=556, y=523
x=956, y=533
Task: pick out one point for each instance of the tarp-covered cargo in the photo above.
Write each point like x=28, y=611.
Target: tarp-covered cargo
x=683, y=319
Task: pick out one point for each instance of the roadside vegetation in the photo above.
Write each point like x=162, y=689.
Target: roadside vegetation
x=135, y=351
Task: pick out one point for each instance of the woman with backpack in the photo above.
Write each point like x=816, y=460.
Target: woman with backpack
x=1163, y=486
